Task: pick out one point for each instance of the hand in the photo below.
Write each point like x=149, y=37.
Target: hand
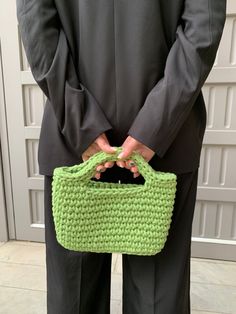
x=130, y=145
x=101, y=143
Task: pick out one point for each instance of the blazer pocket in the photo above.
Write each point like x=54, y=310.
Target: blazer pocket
x=73, y=115
x=74, y=103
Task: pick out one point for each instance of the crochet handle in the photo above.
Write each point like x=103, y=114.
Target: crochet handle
x=88, y=167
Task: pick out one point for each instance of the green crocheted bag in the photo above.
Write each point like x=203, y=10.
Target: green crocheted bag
x=98, y=216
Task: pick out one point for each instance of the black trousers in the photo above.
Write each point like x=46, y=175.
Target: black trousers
x=79, y=282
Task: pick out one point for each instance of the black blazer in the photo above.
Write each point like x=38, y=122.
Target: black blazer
x=124, y=67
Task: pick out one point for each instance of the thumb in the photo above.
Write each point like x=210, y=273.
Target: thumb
x=105, y=146
x=125, y=153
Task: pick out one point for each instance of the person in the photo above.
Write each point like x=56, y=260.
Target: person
x=130, y=74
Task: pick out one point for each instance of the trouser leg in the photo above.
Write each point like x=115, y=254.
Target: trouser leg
x=77, y=282
x=160, y=284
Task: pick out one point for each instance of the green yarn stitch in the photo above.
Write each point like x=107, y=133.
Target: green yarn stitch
x=96, y=216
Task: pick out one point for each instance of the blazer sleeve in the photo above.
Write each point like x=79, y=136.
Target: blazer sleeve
x=188, y=64
x=79, y=116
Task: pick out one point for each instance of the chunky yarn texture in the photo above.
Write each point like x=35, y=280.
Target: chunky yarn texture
x=96, y=216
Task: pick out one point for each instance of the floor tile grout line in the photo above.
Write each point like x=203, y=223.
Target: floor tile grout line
x=25, y=264
x=43, y=266
x=3, y=244
x=42, y=244
x=19, y=288
x=205, y=311
x=215, y=263
x=213, y=284
x=211, y=260
x=117, y=273
x=206, y=261
x=37, y=244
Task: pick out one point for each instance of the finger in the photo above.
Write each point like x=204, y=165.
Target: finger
x=130, y=163
x=89, y=152
x=93, y=149
x=120, y=164
x=134, y=169
x=109, y=164
x=126, y=152
x=85, y=157
x=97, y=175
x=104, y=145
x=100, y=168
x=127, y=149
x=135, y=175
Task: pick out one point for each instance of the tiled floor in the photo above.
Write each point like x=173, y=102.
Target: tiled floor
x=22, y=282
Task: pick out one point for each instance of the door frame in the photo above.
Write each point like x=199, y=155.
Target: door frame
x=7, y=221
x=21, y=186
x=3, y=216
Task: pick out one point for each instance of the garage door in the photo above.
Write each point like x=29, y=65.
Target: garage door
x=214, y=226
